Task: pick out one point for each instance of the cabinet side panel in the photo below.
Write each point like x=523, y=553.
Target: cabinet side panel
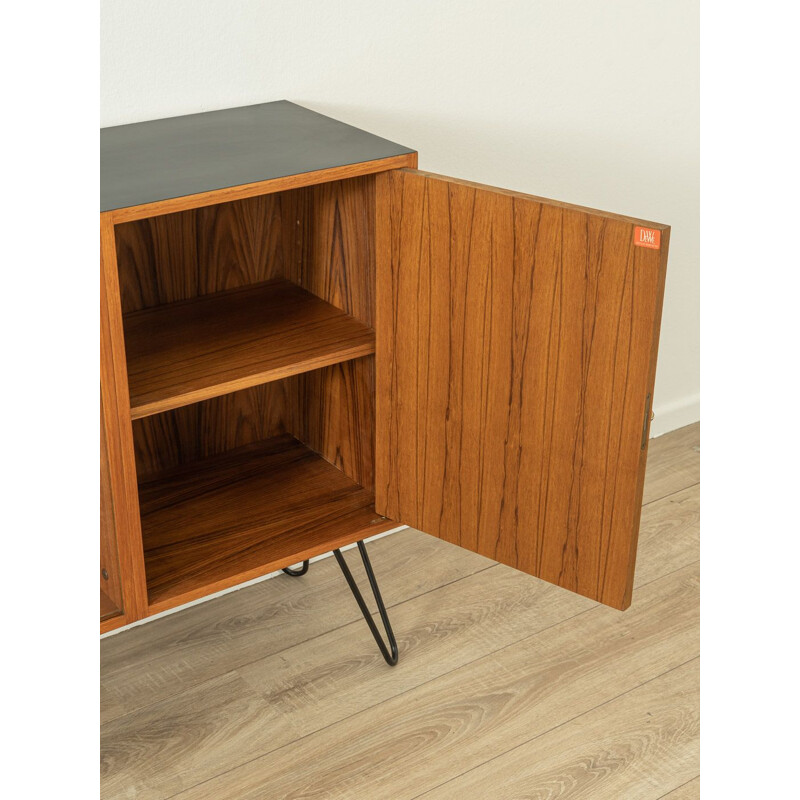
x=110, y=580
x=336, y=255
x=515, y=354
x=335, y=225
x=118, y=432
x=336, y=416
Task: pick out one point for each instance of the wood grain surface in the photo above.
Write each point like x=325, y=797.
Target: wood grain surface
x=261, y=693
x=335, y=237
x=469, y=716
x=110, y=579
x=200, y=430
x=110, y=623
x=189, y=254
x=191, y=351
x=609, y=753
x=320, y=237
x=335, y=416
x=516, y=343
x=246, y=512
x=336, y=261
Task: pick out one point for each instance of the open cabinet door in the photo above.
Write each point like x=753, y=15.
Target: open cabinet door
x=516, y=355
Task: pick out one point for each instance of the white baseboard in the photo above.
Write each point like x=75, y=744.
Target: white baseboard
x=671, y=416
x=236, y=588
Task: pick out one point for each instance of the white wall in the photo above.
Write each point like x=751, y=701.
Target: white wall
x=595, y=103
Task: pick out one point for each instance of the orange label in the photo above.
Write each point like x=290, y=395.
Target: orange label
x=647, y=237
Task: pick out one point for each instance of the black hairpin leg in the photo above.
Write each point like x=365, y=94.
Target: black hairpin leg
x=389, y=654
x=296, y=573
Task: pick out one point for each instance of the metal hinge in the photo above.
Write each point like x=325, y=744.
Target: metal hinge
x=648, y=415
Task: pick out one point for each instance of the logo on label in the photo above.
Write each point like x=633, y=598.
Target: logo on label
x=647, y=237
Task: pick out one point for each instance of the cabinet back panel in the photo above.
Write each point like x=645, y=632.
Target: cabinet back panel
x=321, y=238
x=201, y=430
x=179, y=256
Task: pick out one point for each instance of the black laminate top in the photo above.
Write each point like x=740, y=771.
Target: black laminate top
x=164, y=158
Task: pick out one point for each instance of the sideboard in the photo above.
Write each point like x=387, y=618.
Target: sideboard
x=306, y=341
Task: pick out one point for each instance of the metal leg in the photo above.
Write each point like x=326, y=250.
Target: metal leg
x=390, y=656
x=296, y=573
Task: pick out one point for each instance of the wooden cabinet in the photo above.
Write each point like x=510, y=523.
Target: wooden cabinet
x=306, y=341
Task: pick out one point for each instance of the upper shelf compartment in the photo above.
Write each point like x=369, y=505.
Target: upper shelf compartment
x=185, y=352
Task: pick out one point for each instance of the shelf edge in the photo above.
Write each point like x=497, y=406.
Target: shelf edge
x=141, y=409
x=381, y=525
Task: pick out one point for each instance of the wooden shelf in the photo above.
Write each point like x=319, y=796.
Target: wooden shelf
x=185, y=352
x=227, y=519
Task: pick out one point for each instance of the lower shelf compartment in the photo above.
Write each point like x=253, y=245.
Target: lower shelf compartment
x=250, y=511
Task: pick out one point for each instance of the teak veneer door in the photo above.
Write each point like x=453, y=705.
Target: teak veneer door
x=516, y=352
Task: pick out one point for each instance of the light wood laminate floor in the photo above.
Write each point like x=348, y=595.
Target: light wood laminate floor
x=507, y=687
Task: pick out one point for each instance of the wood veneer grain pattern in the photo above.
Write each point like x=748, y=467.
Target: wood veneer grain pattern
x=118, y=433
x=179, y=256
x=335, y=260
x=201, y=430
x=516, y=343
x=110, y=579
x=335, y=255
x=335, y=416
x=314, y=229
x=150, y=663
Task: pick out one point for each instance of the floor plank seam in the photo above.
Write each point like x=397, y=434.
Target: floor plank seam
x=677, y=788
x=355, y=621
x=561, y=725
x=400, y=694
x=188, y=654
x=375, y=705
x=424, y=683
x=670, y=494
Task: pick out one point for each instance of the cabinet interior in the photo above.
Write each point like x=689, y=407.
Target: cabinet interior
x=249, y=333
